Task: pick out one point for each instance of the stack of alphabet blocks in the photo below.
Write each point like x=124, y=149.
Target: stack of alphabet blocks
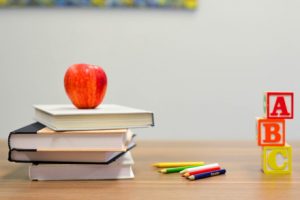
x=276, y=153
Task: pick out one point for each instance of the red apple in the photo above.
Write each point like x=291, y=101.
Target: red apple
x=85, y=85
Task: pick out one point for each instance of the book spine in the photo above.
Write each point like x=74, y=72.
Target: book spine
x=9, y=156
x=153, y=122
x=10, y=159
x=9, y=140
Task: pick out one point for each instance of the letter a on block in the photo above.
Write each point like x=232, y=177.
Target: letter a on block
x=277, y=160
x=270, y=132
x=279, y=105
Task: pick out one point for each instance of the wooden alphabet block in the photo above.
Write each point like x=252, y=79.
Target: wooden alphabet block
x=270, y=132
x=277, y=160
x=279, y=105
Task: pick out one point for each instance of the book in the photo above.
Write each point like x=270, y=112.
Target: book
x=66, y=157
x=120, y=169
x=37, y=137
x=106, y=116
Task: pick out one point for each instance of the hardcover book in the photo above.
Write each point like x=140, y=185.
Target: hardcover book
x=107, y=116
x=120, y=169
x=37, y=137
x=66, y=157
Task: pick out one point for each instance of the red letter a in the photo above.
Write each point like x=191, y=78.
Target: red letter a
x=280, y=105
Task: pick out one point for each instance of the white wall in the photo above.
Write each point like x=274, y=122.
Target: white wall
x=202, y=73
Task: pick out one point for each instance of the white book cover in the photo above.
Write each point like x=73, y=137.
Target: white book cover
x=61, y=117
x=69, y=109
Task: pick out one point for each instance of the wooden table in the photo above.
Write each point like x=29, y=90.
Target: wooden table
x=244, y=179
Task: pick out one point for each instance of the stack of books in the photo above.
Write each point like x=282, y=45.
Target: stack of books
x=67, y=143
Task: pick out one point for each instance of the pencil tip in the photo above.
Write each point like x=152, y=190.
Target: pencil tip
x=191, y=178
x=163, y=171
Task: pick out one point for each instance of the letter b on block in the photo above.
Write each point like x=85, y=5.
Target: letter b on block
x=277, y=160
x=271, y=132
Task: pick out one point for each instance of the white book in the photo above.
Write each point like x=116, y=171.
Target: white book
x=106, y=116
x=40, y=138
x=120, y=169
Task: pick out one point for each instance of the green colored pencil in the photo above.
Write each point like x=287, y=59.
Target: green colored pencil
x=174, y=169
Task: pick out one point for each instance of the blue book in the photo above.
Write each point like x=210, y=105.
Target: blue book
x=207, y=174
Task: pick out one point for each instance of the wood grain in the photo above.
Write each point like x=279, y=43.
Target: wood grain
x=243, y=180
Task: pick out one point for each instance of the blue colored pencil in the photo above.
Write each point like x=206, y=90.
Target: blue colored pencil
x=207, y=174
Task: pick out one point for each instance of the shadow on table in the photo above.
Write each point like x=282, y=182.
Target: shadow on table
x=20, y=173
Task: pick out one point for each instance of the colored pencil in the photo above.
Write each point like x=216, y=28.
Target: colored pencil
x=207, y=174
x=177, y=164
x=173, y=169
x=187, y=174
x=199, y=167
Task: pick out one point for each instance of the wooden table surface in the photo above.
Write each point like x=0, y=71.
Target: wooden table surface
x=243, y=180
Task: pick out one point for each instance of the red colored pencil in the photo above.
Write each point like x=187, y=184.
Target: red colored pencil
x=202, y=171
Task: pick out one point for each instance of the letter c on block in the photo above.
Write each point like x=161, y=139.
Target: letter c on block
x=272, y=163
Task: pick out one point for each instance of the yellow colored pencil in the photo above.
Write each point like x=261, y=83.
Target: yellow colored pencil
x=177, y=164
